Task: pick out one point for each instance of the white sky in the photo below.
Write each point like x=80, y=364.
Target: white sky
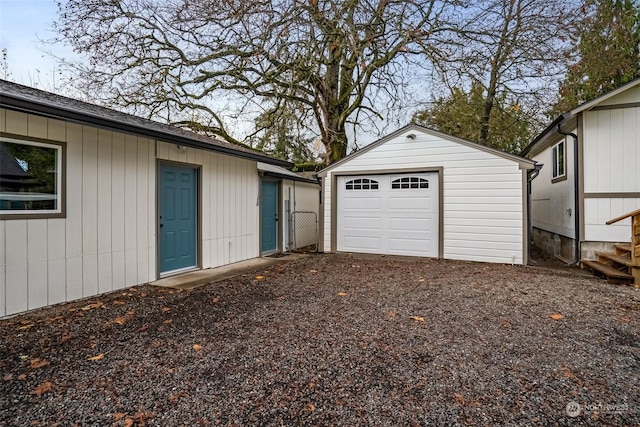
x=24, y=24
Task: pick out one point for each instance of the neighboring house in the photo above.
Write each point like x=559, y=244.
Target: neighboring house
x=424, y=193
x=128, y=200
x=591, y=174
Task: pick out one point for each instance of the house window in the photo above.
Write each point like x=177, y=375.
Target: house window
x=410, y=182
x=30, y=178
x=559, y=161
x=362, y=184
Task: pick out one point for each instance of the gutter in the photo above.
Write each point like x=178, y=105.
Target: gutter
x=61, y=113
x=531, y=175
x=544, y=133
x=576, y=208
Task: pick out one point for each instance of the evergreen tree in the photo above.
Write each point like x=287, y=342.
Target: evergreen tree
x=461, y=115
x=608, y=52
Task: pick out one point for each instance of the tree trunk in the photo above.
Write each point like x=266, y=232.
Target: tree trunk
x=336, y=145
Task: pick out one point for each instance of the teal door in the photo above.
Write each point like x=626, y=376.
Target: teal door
x=269, y=216
x=177, y=217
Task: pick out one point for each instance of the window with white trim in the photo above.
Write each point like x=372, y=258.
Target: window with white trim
x=558, y=160
x=409, y=182
x=30, y=178
x=362, y=184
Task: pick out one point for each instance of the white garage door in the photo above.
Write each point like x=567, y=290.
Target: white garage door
x=388, y=214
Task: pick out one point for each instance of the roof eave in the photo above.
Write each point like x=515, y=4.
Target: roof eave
x=545, y=134
x=57, y=112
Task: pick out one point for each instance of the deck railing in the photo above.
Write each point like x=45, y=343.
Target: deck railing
x=635, y=240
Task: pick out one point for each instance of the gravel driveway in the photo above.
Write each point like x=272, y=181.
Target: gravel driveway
x=339, y=340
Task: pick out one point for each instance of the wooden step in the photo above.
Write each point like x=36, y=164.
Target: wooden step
x=619, y=259
x=624, y=247
x=613, y=275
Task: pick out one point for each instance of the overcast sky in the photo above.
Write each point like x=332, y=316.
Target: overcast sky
x=23, y=26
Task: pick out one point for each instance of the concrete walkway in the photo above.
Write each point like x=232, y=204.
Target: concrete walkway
x=198, y=278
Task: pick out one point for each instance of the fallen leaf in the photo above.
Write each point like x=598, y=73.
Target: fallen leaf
x=259, y=277
x=38, y=363
x=119, y=415
x=128, y=422
x=417, y=318
x=22, y=377
x=8, y=377
x=143, y=328
x=197, y=347
x=556, y=316
x=310, y=407
x=116, y=302
x=342, y=294
x=391, y=314
x=216, y=299
x=173, y=398
x=459, y=398
x=65, y=337
x=42, y=388
x=166, y=309
x=313, y=271
x=166, y=322
x=27, y=326
x=92, y=306
x=421, y=279
x=98, y=357
x=141, y=417
x=120, y=320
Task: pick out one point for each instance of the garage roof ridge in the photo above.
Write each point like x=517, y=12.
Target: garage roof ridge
x=522, y=161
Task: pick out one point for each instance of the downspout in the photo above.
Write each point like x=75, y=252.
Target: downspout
x=531, y=175
x=576, y=196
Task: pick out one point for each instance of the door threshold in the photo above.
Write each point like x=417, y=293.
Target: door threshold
x=178, y=271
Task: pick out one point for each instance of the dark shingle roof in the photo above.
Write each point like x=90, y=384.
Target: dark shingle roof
x=29, y=100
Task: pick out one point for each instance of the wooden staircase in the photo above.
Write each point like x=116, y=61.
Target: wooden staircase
x=623, y=265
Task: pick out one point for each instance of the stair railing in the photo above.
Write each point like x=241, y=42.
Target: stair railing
x=635, y=234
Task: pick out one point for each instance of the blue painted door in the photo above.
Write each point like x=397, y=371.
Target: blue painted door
x=177, y=217
x=269, y=216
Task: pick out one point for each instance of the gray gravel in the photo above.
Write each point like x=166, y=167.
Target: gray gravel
x=334, y=340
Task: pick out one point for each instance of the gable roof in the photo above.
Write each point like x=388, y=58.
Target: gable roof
x=34, y=101
x=569, y=121
x=279, y=172
x=524, y=163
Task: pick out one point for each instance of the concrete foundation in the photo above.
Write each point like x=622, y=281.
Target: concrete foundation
x=560, y=246
x=564, y=247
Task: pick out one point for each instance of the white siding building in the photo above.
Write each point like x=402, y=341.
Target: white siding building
x=420, y=192
x=591, y=174
x=130, y=200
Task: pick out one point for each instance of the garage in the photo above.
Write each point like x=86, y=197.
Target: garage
x=390, y=214
x=420, y=192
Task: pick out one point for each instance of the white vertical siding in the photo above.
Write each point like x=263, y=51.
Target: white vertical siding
x=62, y=259
x=107, y=240
x=229, y=190
x=611, y=158
x=612, y=150
x=482, y=194
x=553, y=203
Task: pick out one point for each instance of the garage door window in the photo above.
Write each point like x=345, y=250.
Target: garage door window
x=410, y=182
x=362, y=184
